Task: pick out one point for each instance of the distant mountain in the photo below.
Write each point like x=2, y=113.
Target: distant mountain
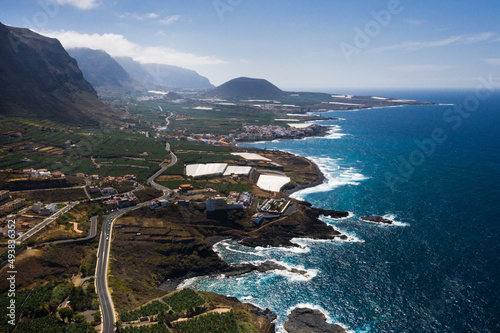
x=164, y=75
x=39, y=79
x=102, y=71
x=244, y=87
x=136, y=70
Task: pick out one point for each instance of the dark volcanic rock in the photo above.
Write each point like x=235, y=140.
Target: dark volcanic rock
x=245, y=87
x=304, y=224
x=376, y=219
x=334, y=214
x=240, y=269
x=303, y=320
x=39, y=79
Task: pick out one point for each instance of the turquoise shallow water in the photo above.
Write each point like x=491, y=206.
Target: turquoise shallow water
x=437, y=270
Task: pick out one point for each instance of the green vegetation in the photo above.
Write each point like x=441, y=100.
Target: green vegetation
x=211, y=322
x=158, y=328
x=176, y=169
x=186, y=299
x=196, y=146
x=50, y=324
x=41, y=303
x=193, y=157
x=148, y=193
x=150, y=309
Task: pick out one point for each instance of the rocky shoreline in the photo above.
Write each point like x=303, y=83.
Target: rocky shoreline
x=376, y=219
x=305, y=320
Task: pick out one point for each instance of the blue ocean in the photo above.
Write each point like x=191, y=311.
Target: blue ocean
x=435, y=170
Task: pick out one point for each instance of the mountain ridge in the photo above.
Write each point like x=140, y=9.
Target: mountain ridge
x=102, y=71
x=164, y=75
x=39, y=79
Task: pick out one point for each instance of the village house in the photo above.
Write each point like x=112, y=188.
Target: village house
x=257, y=218
x=11, y=206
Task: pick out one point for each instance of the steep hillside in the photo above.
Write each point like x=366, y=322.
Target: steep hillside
x=245, y=87
x=39, y=79
x=102, y=71
x=164, y=75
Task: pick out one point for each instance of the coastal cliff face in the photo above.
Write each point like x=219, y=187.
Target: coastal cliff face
x=39, y=79
x=303, y=224
x=304, y=320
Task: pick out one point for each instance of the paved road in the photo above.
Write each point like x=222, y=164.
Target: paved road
x=151, y=180
x=45, y=222
x=101, y=274
x=92, y=234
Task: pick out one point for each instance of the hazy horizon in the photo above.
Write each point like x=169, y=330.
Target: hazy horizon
x=382, y=44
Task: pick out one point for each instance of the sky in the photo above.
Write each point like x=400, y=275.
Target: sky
x=315, y=45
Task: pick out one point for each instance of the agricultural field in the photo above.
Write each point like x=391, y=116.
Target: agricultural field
x=52, y=195
x=38, y=306
x=184, y=300
x=158, y=328
x=210, y=322
x=150, y=309
x=102, y=152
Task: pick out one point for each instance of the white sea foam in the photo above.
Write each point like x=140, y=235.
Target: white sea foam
x=258, y=251
x=350, y=215
x=395, y=222
x=335, y=175
x=267, y=250
x=309, y=274
x=188, y=282
x=390, y=217
x=334, y=133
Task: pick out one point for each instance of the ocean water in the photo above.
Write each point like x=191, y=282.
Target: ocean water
x=433, y=169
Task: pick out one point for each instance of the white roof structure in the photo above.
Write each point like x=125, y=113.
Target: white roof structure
x=272, y=183
x=252, y=156
x=238, y=170
x=210, y=169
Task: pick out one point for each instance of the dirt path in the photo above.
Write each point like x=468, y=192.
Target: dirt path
x=218, y=310
x=75, y=227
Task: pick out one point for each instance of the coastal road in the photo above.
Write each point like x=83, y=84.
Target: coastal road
x=45, y=222
x=101, y=273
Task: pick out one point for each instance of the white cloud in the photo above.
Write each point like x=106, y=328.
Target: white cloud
x=167, y=20
x=454, y=40
x=118, y=45
x=420, y=68
x=493, y=61
x=80, y=4
x=140, y=17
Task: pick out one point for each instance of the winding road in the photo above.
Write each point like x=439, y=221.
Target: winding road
x=101, y=275
x=92, y=234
